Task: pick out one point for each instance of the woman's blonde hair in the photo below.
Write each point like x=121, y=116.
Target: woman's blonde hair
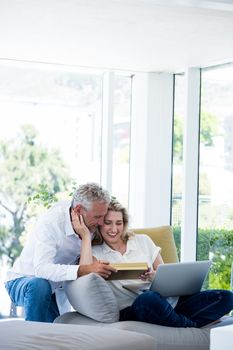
x=116, y=206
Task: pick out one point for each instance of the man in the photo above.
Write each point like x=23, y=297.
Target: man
x=51, y=254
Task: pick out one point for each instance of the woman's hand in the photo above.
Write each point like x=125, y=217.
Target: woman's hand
x=79, y=225
x=148, y=275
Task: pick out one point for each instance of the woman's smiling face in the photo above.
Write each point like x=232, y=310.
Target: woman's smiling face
x=112, y=227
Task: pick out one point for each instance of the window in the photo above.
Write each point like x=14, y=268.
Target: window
x=177, y=170
x=121, y=137
x=215, y=219
x=63, y=105
x=52, y=135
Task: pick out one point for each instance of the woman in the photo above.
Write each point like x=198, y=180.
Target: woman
x=120, y=245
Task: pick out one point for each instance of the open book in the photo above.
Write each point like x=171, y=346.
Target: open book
x=126, y=271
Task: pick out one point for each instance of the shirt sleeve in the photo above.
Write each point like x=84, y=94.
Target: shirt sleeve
x=149, y=246
x=47, y=243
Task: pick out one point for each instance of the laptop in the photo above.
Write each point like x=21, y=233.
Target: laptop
x=175, y=279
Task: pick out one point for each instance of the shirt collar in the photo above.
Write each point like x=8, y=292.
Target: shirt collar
x=131, y=245
x=68, y=226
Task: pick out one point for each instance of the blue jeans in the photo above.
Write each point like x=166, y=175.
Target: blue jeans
x=195, y=310
x=35, y=295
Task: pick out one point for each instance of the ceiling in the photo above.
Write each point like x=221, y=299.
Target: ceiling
x=134, y=35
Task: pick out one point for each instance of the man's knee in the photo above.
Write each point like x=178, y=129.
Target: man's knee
x=39, y=286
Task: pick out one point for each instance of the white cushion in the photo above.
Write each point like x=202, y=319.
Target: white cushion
x=170, y=338
x=166, y=338
x=74, y=317
x=91, y=296
x=21, y=335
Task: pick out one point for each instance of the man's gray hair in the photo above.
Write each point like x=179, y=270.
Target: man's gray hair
x=88, y=193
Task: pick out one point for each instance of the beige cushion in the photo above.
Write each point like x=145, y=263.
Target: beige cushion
x=91, y=296
x=163, y=237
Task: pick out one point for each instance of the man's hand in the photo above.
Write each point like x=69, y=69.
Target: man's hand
x=102, y=268
x=79, y=225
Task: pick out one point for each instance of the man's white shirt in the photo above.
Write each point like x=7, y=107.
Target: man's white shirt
x=51, y=252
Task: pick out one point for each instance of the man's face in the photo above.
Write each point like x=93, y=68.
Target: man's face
x=95, y=215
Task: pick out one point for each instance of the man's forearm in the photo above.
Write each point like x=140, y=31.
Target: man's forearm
x=84, y=270
x=101, y=268
x=86, y=252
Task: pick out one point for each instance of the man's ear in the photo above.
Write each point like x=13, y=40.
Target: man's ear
x=77, y=209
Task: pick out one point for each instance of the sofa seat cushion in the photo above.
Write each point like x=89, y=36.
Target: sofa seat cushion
x=40, y=336
x=166, y=338
x=170, y=338
x=74, y=317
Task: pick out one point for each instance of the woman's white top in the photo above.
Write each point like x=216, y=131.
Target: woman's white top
x=140, y=248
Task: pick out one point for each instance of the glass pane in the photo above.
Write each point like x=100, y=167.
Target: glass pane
x=177, y=171
x=121, y=135
x=50, y=134
x=215, y=235
x=64, y=107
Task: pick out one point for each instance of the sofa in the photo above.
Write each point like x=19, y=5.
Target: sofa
x=165, y=338
x=26, y=335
